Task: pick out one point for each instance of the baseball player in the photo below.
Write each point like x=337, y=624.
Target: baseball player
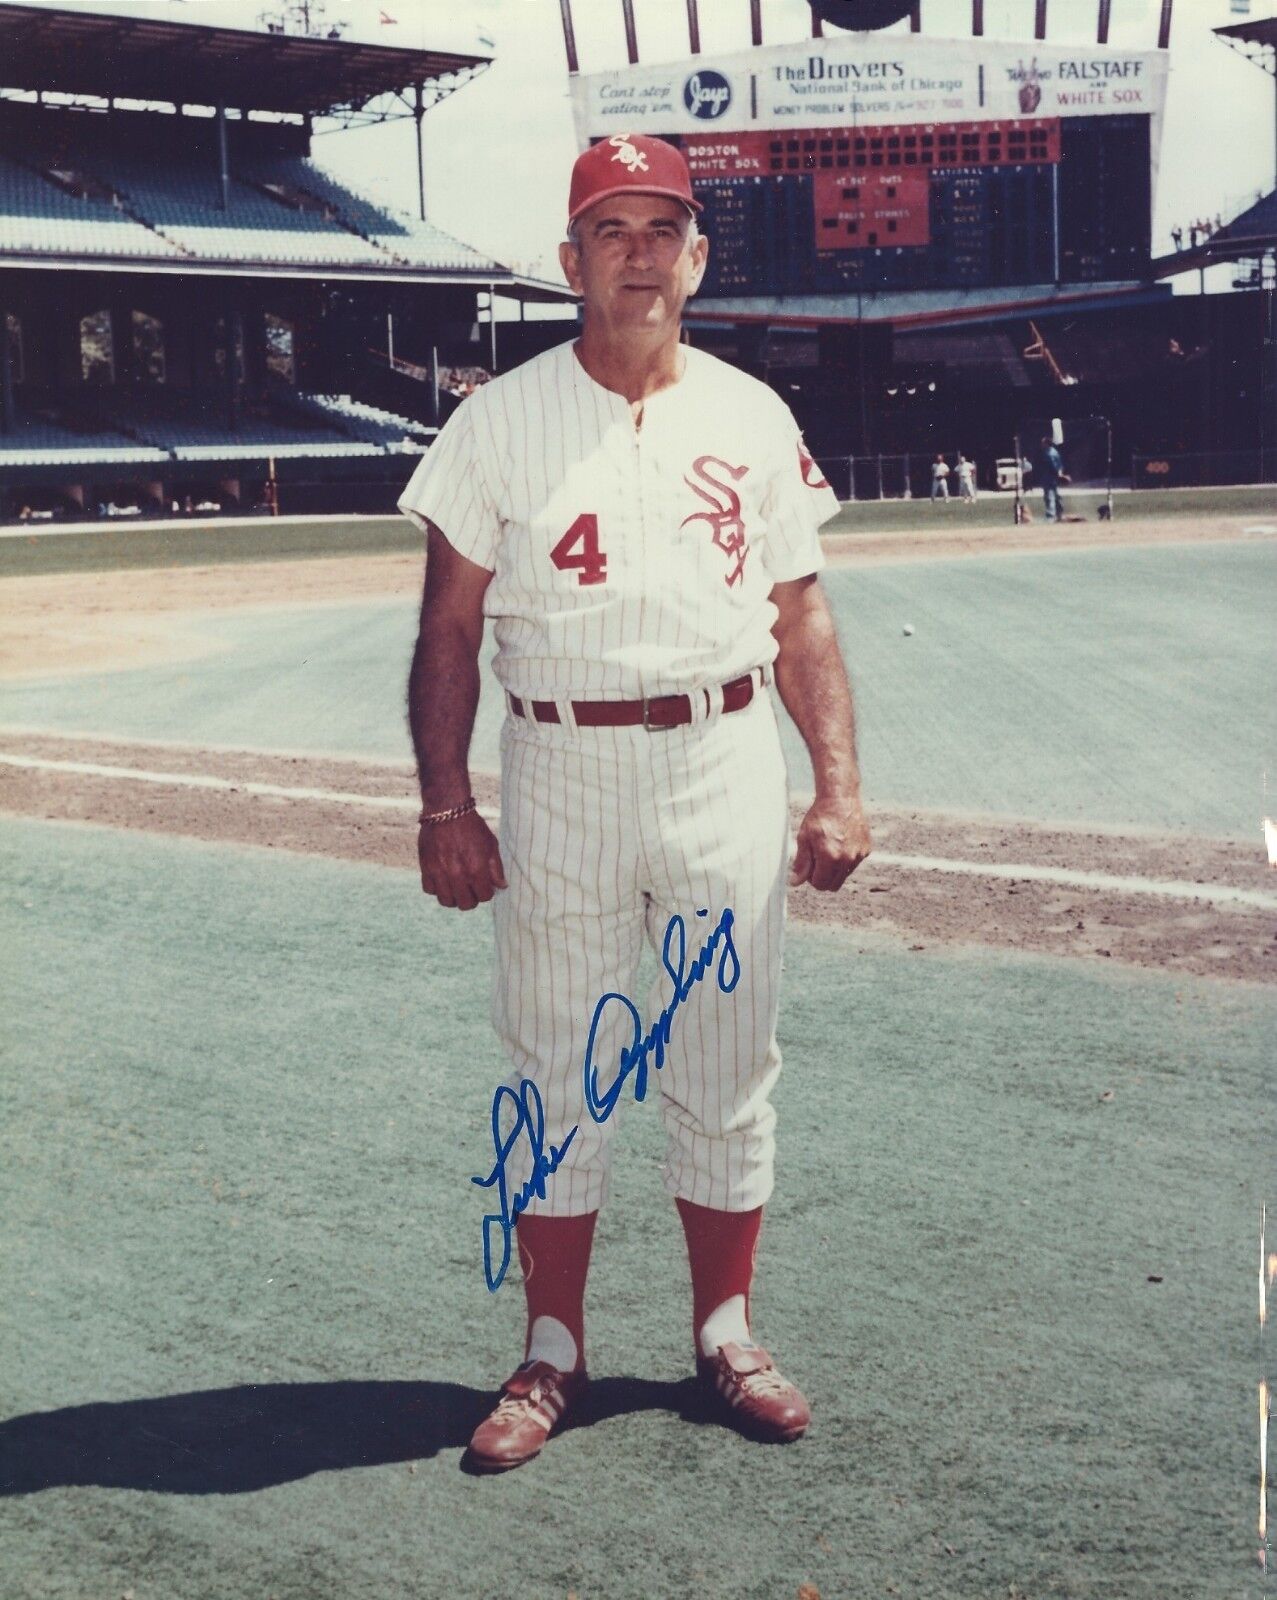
x=639, y=521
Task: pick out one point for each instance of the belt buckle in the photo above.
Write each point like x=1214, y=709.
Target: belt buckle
x=655, y=727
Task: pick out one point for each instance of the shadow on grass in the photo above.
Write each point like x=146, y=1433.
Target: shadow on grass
x=232, y=1441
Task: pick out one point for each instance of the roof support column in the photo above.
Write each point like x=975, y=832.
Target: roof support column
x=418, y=115
x=6, y=375
x=492, y=327
x=233, y=332
x=434, y=384
x=569, y=35
x=223, y=163
x=1268, y=377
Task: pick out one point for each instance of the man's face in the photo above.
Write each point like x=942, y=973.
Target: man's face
x=635, y=265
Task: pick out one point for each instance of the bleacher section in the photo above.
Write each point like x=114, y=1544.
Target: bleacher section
x=410, y=242
x=183, y=202
x=281, y=211
x=394, y=434
x=182, y=426
x=162, y=426
x=39, y=215
x=38, y=442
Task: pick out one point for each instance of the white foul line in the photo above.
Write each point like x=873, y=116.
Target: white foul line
x=1171, y=889
x=197, y=780
x=1168, y=888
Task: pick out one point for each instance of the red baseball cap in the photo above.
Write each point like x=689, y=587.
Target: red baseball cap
x=629, y=163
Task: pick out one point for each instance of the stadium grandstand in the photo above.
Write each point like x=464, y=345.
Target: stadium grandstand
x=196, y=313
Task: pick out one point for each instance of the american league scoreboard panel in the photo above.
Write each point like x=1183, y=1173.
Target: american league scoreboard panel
x=903, y=162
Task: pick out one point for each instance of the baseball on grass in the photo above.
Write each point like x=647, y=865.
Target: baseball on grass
x=908, y=630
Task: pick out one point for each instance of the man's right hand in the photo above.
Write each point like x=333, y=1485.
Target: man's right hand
x=460, y=861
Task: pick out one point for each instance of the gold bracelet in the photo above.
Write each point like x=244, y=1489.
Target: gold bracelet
x=428, y=819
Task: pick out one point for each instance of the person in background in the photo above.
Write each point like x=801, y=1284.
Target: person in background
x=966, y=479
x=1052, y=476
x=940, y=479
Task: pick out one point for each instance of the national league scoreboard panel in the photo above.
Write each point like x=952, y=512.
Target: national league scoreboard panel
x=903, y=162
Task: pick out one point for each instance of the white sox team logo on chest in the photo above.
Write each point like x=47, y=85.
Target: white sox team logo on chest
x=723, y=517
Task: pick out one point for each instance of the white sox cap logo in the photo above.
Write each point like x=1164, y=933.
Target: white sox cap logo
x=632, y=159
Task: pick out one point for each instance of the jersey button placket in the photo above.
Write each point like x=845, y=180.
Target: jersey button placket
x=639, y=502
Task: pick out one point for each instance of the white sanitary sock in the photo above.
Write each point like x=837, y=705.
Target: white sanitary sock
x=551, y=1341
x=726, y=1325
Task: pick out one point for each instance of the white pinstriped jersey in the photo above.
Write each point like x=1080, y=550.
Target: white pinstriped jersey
x=627, y=561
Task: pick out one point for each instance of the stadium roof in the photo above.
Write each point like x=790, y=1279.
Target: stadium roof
x=1261, y=31
x=144, y=58
x=1251, y=234
x=1256, y=225
x=919, y=307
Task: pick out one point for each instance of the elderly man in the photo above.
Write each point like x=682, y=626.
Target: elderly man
x=639, y=521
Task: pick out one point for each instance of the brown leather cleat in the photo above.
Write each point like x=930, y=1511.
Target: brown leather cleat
x=533, y=1403
x=761, y=1402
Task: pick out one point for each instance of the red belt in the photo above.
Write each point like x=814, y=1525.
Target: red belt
x=666, y=711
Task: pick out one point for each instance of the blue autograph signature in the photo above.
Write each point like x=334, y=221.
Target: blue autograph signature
x=529, y=1112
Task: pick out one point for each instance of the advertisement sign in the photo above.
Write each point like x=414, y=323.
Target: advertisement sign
x=870, y=79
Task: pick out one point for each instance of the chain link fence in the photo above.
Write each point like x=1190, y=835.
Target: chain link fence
x=906, y=476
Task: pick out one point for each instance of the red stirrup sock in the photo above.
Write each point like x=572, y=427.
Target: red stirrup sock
x=721, y=1247
x=554, y=1253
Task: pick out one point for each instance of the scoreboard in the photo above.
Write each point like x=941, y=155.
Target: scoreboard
x=986, y=171
x=916, y=206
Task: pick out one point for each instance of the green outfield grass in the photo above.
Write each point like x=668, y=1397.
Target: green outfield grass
x=996, y=510
x=121, y=547
x=1011, y=1258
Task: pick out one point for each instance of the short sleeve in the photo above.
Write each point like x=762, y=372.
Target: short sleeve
x=449, y=489
x=798, y=500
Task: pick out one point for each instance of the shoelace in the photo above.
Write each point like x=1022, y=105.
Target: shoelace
x=766, y=1384
x=514, y=1406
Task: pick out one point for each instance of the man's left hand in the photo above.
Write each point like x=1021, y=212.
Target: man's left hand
x=833, y=839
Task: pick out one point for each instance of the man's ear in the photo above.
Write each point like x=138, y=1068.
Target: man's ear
x=700, y=255
x=570, y=261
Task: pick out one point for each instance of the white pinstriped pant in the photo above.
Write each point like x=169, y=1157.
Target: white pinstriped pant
x=605, y=834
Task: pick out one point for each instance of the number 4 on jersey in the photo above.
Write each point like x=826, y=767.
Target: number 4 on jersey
x=579, y=547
